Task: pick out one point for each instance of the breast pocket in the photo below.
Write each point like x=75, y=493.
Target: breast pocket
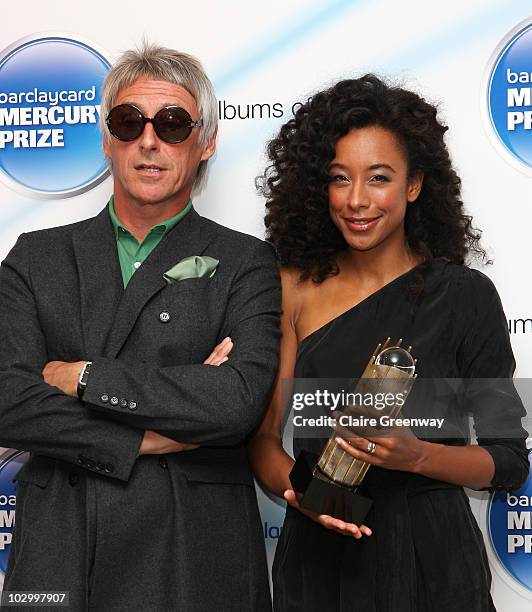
x=199, y=291
x=191, y=284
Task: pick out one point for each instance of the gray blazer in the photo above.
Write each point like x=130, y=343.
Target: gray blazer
x=158, y=533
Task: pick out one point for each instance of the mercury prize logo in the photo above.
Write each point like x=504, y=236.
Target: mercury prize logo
x=10, y=464
x=510, y=532
x=50, y=142
x=507, y=104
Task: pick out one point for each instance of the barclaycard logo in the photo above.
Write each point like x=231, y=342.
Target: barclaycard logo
x=10, y=464
x=507, y=97
x=509, y=519
x=50, y=141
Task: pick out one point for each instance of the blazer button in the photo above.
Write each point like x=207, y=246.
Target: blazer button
x=100, y=467
x=132, y=405
x=109, y=468
x=104, y=398
x=73, y=479
x=91, y=464
x=164, y=316
x=163, y=463
x=81, y=459
x=114, y=401
x=123, y=403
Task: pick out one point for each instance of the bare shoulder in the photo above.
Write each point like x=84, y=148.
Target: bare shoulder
x=298, y=296
x=289, y=279
x=295, y=290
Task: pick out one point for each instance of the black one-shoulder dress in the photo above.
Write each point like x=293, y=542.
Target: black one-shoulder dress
x=426, y=553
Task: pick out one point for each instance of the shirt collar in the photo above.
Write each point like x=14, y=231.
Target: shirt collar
x=165, y=225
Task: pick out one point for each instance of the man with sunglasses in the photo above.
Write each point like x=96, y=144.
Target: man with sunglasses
x=138, y=494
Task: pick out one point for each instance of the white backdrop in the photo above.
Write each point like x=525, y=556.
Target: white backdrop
x=279, y=53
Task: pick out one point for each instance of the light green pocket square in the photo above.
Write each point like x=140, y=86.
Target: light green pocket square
x=192, y=267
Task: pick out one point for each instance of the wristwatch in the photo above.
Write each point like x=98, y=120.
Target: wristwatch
x=83, y=378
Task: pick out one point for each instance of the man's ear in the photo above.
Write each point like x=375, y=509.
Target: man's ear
x=414, y=187
x=106, y=147
x=210, y=148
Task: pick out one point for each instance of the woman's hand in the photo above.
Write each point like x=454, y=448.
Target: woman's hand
x=466, y=466
x=348, y=529
x=400, y=452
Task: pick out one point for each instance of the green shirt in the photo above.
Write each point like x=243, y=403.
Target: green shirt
x=131, y=254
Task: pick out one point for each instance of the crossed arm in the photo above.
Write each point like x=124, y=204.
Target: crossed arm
x=40, y=417
x=64, y=375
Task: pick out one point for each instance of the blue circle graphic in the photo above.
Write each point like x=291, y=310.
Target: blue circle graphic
x=510, y=530
x=509, y=94
x=10, y=464
x=50, y=142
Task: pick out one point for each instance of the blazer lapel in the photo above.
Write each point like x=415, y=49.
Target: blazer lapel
x=185, y=239
x=100, y=278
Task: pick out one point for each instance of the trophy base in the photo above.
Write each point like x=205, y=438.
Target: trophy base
x=325, y=496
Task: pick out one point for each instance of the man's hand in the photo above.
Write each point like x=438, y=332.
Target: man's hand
x=64, y=375
x=155, y=444
x=220, y=353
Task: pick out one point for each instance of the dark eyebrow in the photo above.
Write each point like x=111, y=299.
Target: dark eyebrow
x=372, y=167
x=378, y=166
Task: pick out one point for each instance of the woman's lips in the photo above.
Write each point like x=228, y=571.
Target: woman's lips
x=362, y=224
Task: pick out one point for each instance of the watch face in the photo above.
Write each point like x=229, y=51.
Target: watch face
x=83, y=377
x=85, y=372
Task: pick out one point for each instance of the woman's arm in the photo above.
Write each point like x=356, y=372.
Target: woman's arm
x=468, y=466
x=486, y=362
x=270, y=462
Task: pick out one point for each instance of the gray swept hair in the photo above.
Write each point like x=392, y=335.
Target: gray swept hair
x=163, y=64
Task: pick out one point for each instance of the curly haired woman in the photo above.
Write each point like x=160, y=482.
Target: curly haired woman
x=365, y=211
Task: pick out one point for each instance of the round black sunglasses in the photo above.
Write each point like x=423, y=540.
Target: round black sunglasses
x=172, y=124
